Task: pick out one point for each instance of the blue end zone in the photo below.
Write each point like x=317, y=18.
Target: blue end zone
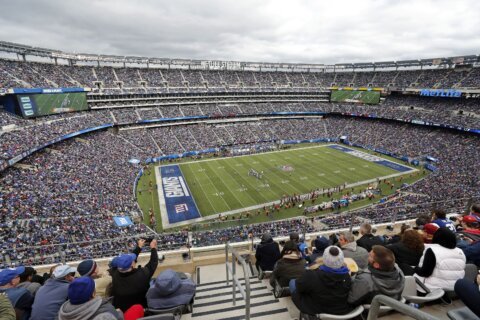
x=178, y=199
x=372, y=158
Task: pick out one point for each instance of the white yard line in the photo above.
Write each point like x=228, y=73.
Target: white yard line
x=250, y=155
x=161, y=198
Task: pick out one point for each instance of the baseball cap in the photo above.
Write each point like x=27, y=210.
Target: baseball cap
x=7, y=275
x=63, y=270
x=474, y=218
x=81, y=290
x=124, y=262
x=430, y=228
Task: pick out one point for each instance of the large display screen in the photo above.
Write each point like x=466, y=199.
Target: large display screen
x=37, y=105
x=369, y=97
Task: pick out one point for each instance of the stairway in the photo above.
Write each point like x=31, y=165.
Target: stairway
x=213, y=299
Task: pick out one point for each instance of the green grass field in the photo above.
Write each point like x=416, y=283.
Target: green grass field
x=46, y=103
x=222, y=185
x=369, y=97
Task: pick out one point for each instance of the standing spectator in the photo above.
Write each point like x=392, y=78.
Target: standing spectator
x=267, y=254
x=442, y=264
x=170, y=290
x=324, y=290
x=83, y=304
x=320, y=243
x=53, y=293
x=130, y=284
x=368, y=240
x=20, y=298
x=352, y=250
x=382, y=276
x=439, y=217
x=26, y=280
x=291, y=265
x=408, y=251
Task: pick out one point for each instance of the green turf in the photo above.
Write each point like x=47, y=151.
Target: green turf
x=223, y=185
x=369, y=97
x=315, y=161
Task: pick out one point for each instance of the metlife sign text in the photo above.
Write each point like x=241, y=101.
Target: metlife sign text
x=450, y=93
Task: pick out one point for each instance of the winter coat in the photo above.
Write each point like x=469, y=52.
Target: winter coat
x=320, y=291
x=370, y=282
x=49, y=298
x=405, y=257
x=367, y=241
x=170, y=291
x=291, y=266
x=267, y=254
x=357, y=253
x=88, y=310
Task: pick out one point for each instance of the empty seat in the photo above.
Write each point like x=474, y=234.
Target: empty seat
x=410, y=292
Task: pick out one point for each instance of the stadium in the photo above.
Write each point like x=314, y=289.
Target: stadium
x=207, y=156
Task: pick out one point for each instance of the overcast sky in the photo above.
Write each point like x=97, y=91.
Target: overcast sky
x=314, y=31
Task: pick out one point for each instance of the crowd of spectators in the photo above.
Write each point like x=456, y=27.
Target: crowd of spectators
x=133, y=79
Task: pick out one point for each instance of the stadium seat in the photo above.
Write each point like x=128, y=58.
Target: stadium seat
x=325, y=316
x=178, y=310
x=279, y=291
x=384, y=309
x=462, y=314
x=162, y=317
x=410, y=292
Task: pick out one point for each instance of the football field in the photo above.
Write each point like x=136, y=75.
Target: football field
x=369, y=97
x=192, y=190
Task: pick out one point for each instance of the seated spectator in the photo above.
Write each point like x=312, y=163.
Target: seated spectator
x=350, y=249
x=267, y=254
x=470, y=227
x=130, y=284
x=442, y=263
x=469, y=293
x=408, y=251
x=439, y=217
x=291, y=265
x=89, y=268
x=300, y=241
x=20, y=298
x=368, y=240
x=382, y=276
x=475, y=211
x=6, y=310
x=26, y=280
x=320, y=244
x=50, y=297
x=397, y=237
x=428, y=231
x=84, y=304
x=472, y=252
x=170, y=289
x=329, y=284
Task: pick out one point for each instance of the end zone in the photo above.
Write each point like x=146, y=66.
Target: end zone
x=176, y=201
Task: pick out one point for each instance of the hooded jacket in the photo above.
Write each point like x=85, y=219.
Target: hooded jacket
x=88, y=310
x=49, y=298
x=323, y=291
x=170, y=291
x=357, y=253
x=268, y=252
x=290, y=266
x=367, y=284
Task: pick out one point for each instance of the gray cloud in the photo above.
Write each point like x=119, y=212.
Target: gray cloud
x=267, y=30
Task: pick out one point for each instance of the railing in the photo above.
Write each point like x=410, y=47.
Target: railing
x=397, y=306
x=235, y=281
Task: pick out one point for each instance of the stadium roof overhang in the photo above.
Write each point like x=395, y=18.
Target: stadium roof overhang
x=25, y=50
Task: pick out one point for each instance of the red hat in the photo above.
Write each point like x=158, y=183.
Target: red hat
x=134, y=312
x=469, y=219
x=430, y=228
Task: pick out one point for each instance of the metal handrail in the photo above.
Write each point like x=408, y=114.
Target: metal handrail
x=397, y=306
x=235, y=281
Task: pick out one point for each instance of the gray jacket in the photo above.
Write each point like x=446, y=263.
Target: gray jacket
x=370, y=282
x=89, y=310
x=357, y=253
